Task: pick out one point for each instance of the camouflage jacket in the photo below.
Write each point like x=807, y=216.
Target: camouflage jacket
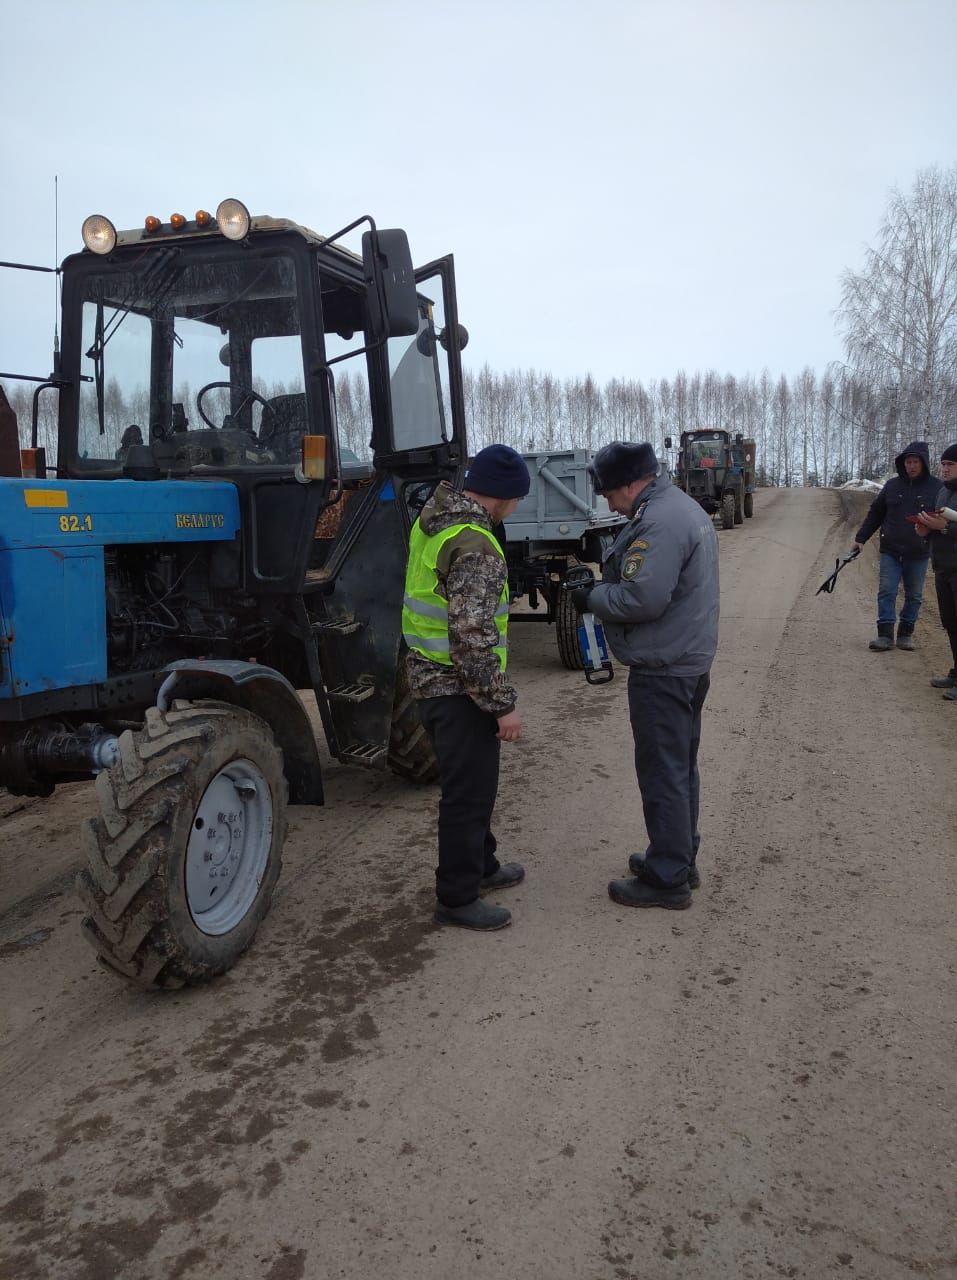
x=471, y=577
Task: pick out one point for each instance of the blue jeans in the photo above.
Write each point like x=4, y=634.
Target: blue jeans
x=894, y=571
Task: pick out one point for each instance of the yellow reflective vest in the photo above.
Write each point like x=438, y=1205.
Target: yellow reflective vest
x=425, y=613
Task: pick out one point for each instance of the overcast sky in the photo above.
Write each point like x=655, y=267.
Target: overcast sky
x=628, y=188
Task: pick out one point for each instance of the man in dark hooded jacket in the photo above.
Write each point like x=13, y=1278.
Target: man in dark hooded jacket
x=904, y=552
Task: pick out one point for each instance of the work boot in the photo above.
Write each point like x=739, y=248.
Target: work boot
x=637, y=893
x=905, y=636
x=636, y=865
x=885, y=638
x=950, y=694
x=509, y=873
x=949, y=681
x=474, y=915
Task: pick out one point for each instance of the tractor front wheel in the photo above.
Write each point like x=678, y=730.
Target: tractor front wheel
x=727, y=510
x=186, y=852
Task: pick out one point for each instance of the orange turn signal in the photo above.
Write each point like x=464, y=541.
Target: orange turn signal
x=203, y=219
x=152, y=224
x=29, y=463
x=314, y=457
x=177, y=220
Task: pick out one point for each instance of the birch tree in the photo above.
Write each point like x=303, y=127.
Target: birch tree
x=898, y=314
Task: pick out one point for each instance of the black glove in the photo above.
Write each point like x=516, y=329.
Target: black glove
x=580, y=598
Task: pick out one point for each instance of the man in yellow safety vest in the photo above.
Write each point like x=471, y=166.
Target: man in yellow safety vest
x=455, y=622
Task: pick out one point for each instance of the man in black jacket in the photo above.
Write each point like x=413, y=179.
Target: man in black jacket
x=939, y=527
x=903, y=552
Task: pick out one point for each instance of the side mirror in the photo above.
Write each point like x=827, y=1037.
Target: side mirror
x=667, y=442
x=462, y=336
x=393, y=304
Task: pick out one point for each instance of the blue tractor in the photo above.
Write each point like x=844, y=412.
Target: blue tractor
x=718, y=472
x=198, y=545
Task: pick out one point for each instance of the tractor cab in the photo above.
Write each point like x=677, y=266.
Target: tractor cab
x=256, y=351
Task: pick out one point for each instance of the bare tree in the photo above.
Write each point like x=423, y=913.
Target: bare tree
x=899, y=313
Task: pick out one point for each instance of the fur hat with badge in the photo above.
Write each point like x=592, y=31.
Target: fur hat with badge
x=620, y=463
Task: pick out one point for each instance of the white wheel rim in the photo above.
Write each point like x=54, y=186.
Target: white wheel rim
x=229, y=847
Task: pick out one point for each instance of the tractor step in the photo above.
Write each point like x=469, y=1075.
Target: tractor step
x=350, y=692
x=344, y=626
x=369, y=754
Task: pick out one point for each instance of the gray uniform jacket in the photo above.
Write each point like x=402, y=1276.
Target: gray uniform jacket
x=943, y=545
x=659, y=591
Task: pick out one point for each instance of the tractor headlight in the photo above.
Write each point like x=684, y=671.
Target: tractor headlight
x=233, y=219
x=99, y=234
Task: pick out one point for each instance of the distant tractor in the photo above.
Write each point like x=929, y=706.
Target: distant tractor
x=203, y=546
x=718, y=472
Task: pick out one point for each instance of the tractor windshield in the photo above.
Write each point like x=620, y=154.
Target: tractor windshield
x=200, y=359
x=706, y=453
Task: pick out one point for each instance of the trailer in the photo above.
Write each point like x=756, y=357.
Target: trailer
x=561, y=525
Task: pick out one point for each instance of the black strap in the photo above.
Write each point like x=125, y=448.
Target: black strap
x=828, y=585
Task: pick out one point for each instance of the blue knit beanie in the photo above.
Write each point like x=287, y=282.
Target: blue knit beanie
x=498, y=472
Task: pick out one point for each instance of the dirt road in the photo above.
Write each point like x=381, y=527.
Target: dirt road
x=761, y=1086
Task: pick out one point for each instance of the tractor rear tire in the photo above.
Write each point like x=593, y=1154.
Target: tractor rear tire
x=184, y=857
x=748, y=506
x=727, y=511
x=566, y=631
x=410, y=747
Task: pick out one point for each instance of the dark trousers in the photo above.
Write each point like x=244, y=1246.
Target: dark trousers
x=464, y=739
x=666, y=722
x=945, y=580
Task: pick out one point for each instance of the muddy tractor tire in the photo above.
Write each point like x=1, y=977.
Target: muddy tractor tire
x=184, y=857
x=727, y=510
x=410, y=748
x=566, y=632
x=738, y=509
x=748, y=506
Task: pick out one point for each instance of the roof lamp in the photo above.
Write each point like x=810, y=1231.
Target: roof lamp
x=203, y=218
x=152, y=224
x=99, y=234
x=176, y=221
x=233, y=218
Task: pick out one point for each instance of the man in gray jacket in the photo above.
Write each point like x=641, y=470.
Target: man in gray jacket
x=658, y=599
